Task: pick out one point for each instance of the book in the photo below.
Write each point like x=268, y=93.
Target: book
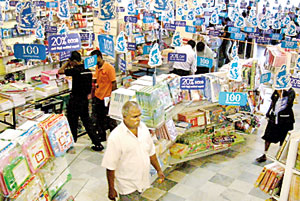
x=262, y=174
x=283, y=147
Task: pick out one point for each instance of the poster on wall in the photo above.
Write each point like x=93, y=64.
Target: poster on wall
x=106, y=44
x=107, y=10
x=64, y=10
x=28, y=19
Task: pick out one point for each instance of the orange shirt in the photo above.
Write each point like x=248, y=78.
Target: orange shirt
x=105, y=76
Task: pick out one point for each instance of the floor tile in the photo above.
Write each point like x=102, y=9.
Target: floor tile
x=182, y=190
x=231, y=171
x=186, y=168
x=248, y=177
x=153, y=194
x=256, y=192
x=221, y=180
x=233, y=195
x=241, y=186
x=212, y=188
x=193, y=181
x=171, y=197
x=230, y=153
x=216, y=167
x=253, y=198
x=197, y=162
x=165, y=185
x=218, y=158
x=176, y=176
x=203, y=173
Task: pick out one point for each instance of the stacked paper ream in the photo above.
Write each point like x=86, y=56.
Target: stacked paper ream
x=118, y=98
x=5, y=104
x=26, y=90
x=49, y=76
x=17, y=99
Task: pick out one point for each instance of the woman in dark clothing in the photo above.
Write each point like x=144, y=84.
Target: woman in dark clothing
x=280, y=119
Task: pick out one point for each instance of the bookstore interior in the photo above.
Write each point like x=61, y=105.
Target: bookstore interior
x=206, y=74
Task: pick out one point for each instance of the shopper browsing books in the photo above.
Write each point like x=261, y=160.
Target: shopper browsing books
x=78, y=103
x=105, y=84
x=204, y=51
x=130, y=150
x=188, y=67
x=280, y=119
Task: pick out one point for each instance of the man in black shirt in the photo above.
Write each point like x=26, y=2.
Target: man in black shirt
x=78, y=103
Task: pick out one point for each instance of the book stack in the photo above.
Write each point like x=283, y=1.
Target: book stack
x=46, y=90
x=294, y=188
x=270, y=179
x=16, y=98
x=21, y=88
x=49, y=77
x=5, y=104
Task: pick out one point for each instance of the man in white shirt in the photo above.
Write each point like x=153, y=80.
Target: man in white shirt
x=190, y=66
x=128, y=155
x=204, y=51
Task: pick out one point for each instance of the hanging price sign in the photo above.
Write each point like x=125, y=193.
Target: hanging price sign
x=64, y=55
x=180, y=23
x=106, y=45
x=30, y=51
x=177, y=57
x=234, y=30
x=249, y=29
x=192, y=83
x=295, y=82
x=238, y=36
x=233, y=98
x=64, y=42
x=190, y=29
x=289, y=44
x=265, y=77
x=131, y=46
x=90, y=61
x=169, y=26
x=204, y=62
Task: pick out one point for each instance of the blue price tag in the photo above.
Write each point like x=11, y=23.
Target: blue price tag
x=122, y=65
x=148, y=19
x=199, y=21
x=180, y=23
x=86, y=36
x=50, y=29
x=169, y=26
x=120, y=9
x=90, y=61
x=214, y=33
x=106, y=44
x=234, y=30
x=249, y=29
x=233, y=98
x=64, y=55
x=295, y=82
x=238, y=36
x=13, y=3
x=190, y=29
x=269, y=31
x=204, y=62
x=147, y=49
x=192, y=83
x=130, y=19
x=177, y=57
x=64, y=42
x=30, y=51
x=52, y=4
x=276, y=36
x=265, y=77
x=139, y=39
x=289, y=44
x=131, y=46
x=39, y=3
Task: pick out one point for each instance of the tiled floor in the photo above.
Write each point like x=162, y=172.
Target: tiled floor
x=225, y=176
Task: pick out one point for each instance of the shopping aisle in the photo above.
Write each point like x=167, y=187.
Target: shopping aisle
x=226, y=176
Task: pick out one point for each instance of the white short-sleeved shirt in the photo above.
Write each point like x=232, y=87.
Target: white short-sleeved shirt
x=129, y=156
x=191, y=59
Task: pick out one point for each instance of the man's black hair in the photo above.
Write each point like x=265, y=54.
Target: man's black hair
x=75, y=56
x=192, y=43
x=97, y=52
x=200, y=46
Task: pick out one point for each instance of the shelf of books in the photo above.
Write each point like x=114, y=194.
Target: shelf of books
x=281, y=178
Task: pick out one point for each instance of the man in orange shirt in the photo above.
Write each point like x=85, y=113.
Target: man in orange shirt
x=105, y=84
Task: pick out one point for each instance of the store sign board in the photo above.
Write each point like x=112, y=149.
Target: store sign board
x=131, y=46
x=265, y=77
x=90, y=62
x=190, y=29
x=148, y=19
x=204, y=62
x=192, y=83
x=177, y=57
x=199, y=21
x=276, y=36
x=234, y=30
x=238, y=36
x=30, y=51
x=130, y=19
x=170, y=26
x=64, y=55
x=295, y=82
x=64, y=42
x=52, y=4
x=233, y=98
x=270, y=31
x=86, y=36
x=289, y=44
x=106, y=44
x=249, y=29
x=50, y=29
x=180, y=23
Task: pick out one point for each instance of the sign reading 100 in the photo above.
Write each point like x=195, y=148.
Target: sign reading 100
x=30, y=51
x=233, y=98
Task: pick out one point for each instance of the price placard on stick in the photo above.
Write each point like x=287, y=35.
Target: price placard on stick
x=106, y=45
x=64, y=42
x=233, y=98
x=90, y=61
x=192, y=83
x=30, y=51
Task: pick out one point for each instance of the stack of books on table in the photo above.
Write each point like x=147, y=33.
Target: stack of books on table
x=45, y=90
